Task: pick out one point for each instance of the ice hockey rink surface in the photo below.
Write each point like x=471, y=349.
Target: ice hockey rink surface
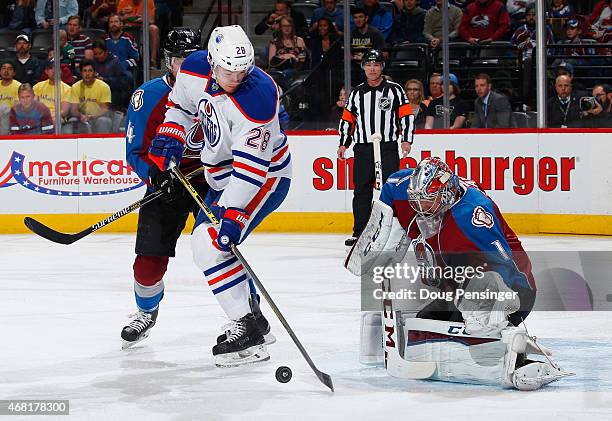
x=62, y=309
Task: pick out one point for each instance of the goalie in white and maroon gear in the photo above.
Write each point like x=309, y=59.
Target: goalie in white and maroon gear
x=450, y=222
x=248, y=168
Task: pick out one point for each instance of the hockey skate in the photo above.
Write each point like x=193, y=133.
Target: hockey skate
x=138, y=328
x=261, y=321
x=244, y=345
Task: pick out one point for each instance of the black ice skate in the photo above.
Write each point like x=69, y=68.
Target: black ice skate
x=261, y=321
x=244, y=345
x=138, y=329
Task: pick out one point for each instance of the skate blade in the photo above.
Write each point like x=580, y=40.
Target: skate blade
x=129, y=344
x=252, y=355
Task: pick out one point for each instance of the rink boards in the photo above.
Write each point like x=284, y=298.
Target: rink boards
x=546, y=181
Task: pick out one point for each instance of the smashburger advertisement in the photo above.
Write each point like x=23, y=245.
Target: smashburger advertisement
x=529, y=173
x=552, y=173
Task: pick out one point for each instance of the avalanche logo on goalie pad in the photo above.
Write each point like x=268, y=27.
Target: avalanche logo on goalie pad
x=482, y=218
x=209, y=122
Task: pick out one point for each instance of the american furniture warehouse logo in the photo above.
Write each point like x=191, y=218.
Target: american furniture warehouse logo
x=69, y=178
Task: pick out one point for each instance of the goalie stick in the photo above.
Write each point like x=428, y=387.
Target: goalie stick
x=63, y=238
x=378, y=174
x=323, y=377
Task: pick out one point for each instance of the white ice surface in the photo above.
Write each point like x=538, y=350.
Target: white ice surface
x=62, y=309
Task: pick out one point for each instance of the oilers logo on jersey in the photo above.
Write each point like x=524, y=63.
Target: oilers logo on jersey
x=210, y=122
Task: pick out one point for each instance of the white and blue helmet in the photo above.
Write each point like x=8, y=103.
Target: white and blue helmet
x=230, y=48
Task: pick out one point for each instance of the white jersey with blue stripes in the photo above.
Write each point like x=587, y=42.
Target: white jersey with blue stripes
x=245, y=148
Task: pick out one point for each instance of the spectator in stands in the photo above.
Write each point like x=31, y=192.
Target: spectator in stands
x=573, y=34
x=130, y=12
x=364, y=37
x=44, y=12
x=93, y=98
x=27, y=67
x=378, y=17
x=66, y=73
x=122, y=44
x=524, y=39
x=432, y=29
x=109, y=70
x=22, y=17
x=338, y=108
x=66, y=49
x=435, y=87
x=408, y=22
x=524, y=42
x=8, y=86
x=45, y=91
x=560, y=9
x=29, y=116
x=101, y=10
x=601, y=21
x=287, y=52
x=435, y=110
x=169, y=15
x=323, y=40
x=567, y=69
x=491, y=109
x=484, y=21
x=601, y=115
x=563, y=109
x=271, y=20
x=79, y=41
x=415, y=92
x=332, y=12
x=517, y=10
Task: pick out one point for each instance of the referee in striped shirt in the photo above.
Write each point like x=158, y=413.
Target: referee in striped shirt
x=375, y=106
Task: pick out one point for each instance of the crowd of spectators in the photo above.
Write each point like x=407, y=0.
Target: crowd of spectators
x=100, y=61
x=301, y=42
x=509, y=26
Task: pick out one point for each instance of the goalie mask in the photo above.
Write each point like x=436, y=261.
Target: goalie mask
x=433, y=188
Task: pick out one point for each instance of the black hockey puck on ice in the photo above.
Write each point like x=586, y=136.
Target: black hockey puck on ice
x=283, y=374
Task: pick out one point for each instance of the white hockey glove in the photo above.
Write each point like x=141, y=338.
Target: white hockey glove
x=486, y=316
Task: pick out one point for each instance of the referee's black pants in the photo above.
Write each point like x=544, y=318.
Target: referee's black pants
x=363, y=178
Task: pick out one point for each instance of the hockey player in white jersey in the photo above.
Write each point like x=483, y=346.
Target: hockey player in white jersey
x=248, y=168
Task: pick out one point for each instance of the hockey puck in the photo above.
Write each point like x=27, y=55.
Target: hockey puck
x=283, y=374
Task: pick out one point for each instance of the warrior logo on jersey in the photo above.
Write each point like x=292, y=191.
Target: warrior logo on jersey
x=137, y=99
x=209, y=122
x=384, y=103
x=482, y=218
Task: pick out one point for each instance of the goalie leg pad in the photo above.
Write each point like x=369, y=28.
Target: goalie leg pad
x=491, y=360
x=371, y=348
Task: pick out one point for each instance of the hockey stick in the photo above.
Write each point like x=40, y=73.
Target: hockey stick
x=323, y=377
x=393, y=338
x=62, y=238
x=378, y=174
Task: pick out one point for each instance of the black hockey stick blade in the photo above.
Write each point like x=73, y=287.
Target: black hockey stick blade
x=52, y=235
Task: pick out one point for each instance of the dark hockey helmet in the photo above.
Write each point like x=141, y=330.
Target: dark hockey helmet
x=180, y=43
x=433, y=187
x=373, y=56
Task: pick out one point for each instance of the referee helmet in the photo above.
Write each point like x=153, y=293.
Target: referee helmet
x=373, y=56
